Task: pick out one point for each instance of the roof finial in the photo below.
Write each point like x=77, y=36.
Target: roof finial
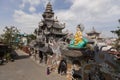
x=49, y=3
x=56, y=19
x=93, y=29
x=49, y=7
x=48, y=11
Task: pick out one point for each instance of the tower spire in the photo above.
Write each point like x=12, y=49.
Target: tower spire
x=48, y=11
x=93, y=29
x=49, y=7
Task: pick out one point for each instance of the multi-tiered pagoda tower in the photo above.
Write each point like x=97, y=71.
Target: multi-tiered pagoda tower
x=50, y=27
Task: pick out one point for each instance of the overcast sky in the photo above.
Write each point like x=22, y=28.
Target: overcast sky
x=26, y=14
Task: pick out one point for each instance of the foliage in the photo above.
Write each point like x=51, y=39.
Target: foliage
x=0, y=39
x=117, y=32
x=35, y=31
x=31, y=37
x=10, y=35
x=117, y=44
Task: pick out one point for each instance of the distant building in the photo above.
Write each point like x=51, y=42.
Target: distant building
x=93, y=34
x=22, y=38
x=110, y=41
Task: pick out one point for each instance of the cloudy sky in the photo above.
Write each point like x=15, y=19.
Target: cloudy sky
x=25, y=14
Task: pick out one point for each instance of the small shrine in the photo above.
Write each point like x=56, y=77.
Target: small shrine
x=50, y=27
x=93, y=34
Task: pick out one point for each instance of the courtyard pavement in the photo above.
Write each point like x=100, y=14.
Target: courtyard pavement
x=25, y=68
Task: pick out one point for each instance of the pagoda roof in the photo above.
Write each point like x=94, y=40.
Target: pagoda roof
x=48, y=11
x=58, y=26
x=49, y=8
x=93, y=31
x=58, y=33
x=55, y=33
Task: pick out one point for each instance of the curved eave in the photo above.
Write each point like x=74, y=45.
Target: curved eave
x=58, y=27
x=92, y=33
x=47, y=33
x=58, y=33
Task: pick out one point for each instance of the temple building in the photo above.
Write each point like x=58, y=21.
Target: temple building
x=93, y=34
x=50, y=27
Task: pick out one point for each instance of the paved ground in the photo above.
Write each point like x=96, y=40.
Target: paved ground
x=25, y=69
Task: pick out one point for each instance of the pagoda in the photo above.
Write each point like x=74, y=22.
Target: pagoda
x=50, y=27
x=93, y=34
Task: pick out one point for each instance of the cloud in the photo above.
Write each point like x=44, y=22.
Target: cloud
x=35, y=2
x=22, y=5
x=31, y=2
x=22, y=17
x=87, y=10
x=32, y=9
x=97, y=13
x=44, y=2
x=27, y=21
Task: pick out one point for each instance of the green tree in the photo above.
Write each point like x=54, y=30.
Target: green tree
x=31, y=37
x=0, y=38
x=10, y=35
x=117, y=32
